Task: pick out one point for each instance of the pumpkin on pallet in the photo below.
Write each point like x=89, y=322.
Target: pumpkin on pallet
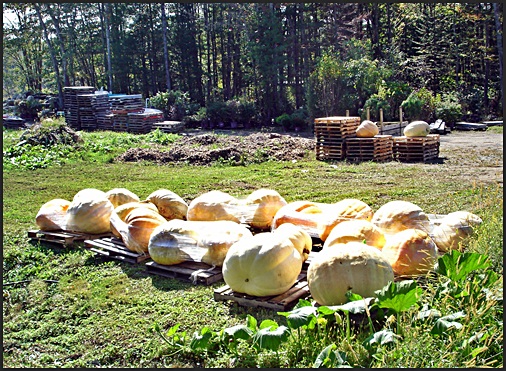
x=177, y=241
x=267, y=263
x=347, y=266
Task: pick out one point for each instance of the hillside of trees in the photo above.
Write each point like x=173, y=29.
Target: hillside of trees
x=436, y=60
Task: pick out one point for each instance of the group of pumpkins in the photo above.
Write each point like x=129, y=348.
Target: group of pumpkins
x=418, y=128
x=361, y=251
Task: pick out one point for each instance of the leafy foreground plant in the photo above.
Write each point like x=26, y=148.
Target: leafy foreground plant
x=457, y=310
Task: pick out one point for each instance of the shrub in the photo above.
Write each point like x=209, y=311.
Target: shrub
x=419, y=105
x=448, y=109
x=175, y=104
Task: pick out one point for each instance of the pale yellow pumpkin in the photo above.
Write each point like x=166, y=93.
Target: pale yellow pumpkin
x=453, y=229
x=52, y=216
x=267, y=263
x=410, y=252
x=351, y=266
x=264, y=204
x=417, y=129
x=213, y=205
x=358, y=230
x=395, y=216
x=207, y=241
x=367, y=129
x=170, y=205
x=120, y=196
x=137, y=228
x=123, y=210
x=89, y=212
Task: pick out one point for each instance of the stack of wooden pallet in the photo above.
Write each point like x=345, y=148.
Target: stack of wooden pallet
x=86, y=115
x=142, y=122
x=100, y=104
x=331, y=134
x=416, y=149
x=71, y=104
x=123, y=103
x=378, y=148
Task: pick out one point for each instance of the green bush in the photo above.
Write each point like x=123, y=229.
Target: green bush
x=175, y=104
x=448, y=109
x=419, y=105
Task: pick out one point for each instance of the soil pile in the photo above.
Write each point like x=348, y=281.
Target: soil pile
x=205, y=149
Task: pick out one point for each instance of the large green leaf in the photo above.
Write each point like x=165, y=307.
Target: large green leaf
x=446, y=323
x=271, y=338
x=330, y=357
x=382, y=337
x=239, y=332
x=202, y=340
x=457, y=266
x=399, y=296
x=353, y=307
x=299, y=317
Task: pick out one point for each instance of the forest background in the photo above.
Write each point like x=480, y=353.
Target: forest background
x=265, y=60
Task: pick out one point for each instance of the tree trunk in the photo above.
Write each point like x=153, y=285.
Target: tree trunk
x=61, y=44
x=165, y=47
x=53, y=56
x=108, y=43
x=498, y=30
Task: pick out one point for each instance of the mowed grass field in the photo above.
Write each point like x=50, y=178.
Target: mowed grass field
x=66, y=307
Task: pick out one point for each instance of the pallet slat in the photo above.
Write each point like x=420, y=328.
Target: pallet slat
x=114, y=248
x=282, y=302
x=195, y=272
x=63, y=237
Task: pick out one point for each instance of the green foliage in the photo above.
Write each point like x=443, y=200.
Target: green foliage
x=448, y=108
x=389, y=97
x=419, y=105
x=175, y=104
x=337, y=85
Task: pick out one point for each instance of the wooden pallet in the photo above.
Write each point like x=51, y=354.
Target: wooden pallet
x=377, y=148
x=63, y=237
x=169, y=126
x=416, y=149
x=281, y=302
x=195, y=272
x=331, y=134
x=114, y=248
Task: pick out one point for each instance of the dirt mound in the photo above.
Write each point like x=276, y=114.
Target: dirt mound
x=205, y=149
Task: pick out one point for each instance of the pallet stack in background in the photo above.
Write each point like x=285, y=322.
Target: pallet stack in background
x=71, y=103
x=88, y=109
x=336, y=140
x=331, y=134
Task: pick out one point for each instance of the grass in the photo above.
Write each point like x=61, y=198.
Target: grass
x=64, y=307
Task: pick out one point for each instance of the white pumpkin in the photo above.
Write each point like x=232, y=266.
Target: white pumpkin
x=267, y=263
x=89, y=212
x=207, y=241
x=52, y=216
x=367, y=129
x=417, y=129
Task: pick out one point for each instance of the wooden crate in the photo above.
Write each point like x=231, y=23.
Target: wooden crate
x=195, y=272
x=330, y=136
x=281, y=302
x=63, y=238
x=114, y=248
x=378, y=148
x=416, y=149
